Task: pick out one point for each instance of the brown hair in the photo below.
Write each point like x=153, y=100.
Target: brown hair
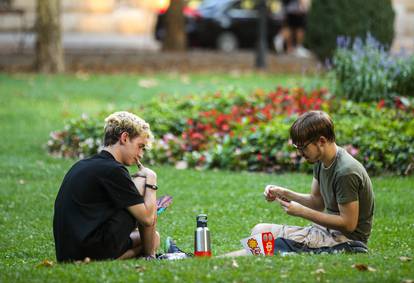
x=310, y=126
x=123, y=121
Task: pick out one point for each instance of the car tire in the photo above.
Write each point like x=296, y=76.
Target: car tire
x=227, y=42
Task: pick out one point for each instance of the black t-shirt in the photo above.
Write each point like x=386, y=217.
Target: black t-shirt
x=92, y=192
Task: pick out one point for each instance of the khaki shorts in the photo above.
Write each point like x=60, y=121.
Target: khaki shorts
x=314, y=236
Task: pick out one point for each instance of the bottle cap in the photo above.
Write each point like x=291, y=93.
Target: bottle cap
x=202, y=220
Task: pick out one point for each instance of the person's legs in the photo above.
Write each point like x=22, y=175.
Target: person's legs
x=287, y=36
x=259, y=228
x=314, y=236
x=137, y=248
x=267, y=227
x=300, y=36
x=111, y=239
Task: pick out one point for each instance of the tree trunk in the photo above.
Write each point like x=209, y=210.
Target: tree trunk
x=49, y=50
x=175, y=38
x=261, y=48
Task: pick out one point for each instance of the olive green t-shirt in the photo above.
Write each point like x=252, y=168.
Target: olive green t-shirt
x=346, y=180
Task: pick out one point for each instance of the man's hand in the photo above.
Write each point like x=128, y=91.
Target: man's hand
x=292, y=208
x=142, y=177
x=150, y=175
x=272, y=193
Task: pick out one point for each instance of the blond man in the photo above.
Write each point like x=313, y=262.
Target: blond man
x=102, y=213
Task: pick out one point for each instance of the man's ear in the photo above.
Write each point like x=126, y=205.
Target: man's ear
x=123, y=138
x=322, y=140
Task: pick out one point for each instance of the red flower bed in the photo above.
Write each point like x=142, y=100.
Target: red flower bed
x=261, y=108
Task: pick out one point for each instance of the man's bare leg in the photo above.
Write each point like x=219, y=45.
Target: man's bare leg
x=137, y=248
x=235, y=253
x=259, y=228
x=287, y=35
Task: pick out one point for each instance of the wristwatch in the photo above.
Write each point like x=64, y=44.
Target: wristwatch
x=152, y=187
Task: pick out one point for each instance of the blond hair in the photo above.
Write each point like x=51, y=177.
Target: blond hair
x=123, y=121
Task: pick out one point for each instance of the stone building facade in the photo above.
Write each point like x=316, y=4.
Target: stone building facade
x=137, y=17
x=90, y=16
x=404, y=25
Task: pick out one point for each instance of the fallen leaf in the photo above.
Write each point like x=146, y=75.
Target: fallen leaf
x=320, y=271
x=185, y=79
x=407, y=281
x=235, y=73
x=360, y=267
x=81, y=75
x=405, y=258
x=140, y=268
x=234, y=264
x=46, y=263
x=363, y=267
x=147, y=83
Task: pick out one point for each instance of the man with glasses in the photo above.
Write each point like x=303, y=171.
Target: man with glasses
x=341, y=202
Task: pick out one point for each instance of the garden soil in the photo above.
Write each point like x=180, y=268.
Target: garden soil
x=157, y=61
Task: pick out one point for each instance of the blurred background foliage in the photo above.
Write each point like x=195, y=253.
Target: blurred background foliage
x=327, y=20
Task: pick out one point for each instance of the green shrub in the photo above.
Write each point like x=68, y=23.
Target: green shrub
x=237, y=131
x=327, y=20
x=80, y=138
x=382, y=139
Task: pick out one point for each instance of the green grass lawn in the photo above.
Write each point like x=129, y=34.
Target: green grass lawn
x=33, y=105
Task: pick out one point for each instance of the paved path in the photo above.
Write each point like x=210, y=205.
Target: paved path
x=79, y=42
x=109, y=52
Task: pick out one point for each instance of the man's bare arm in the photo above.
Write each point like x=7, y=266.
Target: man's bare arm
x=145, y=212
x=313, y=200
x=346, y=221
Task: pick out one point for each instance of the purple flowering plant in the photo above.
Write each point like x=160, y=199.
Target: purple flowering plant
x=364, y=70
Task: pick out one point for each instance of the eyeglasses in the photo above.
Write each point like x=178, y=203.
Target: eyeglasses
x=303, y=147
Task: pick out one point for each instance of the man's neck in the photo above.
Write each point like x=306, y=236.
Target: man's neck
x=329, y=155
x=114, y=151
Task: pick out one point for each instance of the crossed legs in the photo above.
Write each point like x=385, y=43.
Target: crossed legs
x=150, y=237
x=259, y=228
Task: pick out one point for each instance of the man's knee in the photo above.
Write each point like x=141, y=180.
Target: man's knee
x=266, y=227
x=259, y=228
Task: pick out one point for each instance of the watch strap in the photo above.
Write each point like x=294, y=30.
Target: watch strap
x=152, y=187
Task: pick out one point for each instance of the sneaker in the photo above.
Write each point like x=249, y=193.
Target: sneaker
x=173, y=256
x=172, y=252
x=171, y=247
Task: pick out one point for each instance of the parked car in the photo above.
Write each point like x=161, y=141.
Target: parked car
x=223, y=24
